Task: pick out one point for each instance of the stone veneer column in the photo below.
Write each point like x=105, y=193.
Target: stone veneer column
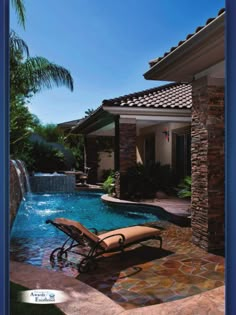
x=126, y=146
x=92, y=158
x=208, y=164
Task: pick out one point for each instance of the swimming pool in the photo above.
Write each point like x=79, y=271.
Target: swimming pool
x=31, y=236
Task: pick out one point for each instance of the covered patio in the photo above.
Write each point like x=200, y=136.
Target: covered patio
x=146, y=127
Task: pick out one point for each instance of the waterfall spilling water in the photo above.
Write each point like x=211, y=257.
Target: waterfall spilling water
x=23, y=176
x=20, y=178
x=26, y=175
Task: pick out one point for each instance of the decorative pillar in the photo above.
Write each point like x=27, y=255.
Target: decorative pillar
x=208, y=164
x=125, y=151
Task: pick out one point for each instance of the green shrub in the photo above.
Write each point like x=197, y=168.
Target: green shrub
x=184, y=188
x=138, y=183
x=46, y=158
x=143, y=181
x=106, y=173
x=163, y=177
x=108, y=185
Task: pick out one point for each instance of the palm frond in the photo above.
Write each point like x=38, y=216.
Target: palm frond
x=20, y=11
x=18, y=44
x=44, y=74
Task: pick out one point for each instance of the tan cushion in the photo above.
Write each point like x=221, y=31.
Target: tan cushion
x=78, y=226
x=131, y=234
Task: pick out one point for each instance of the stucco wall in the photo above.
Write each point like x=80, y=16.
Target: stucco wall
x=106, y=162
x=163, y=149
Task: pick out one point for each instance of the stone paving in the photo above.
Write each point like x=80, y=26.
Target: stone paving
x=146, y=275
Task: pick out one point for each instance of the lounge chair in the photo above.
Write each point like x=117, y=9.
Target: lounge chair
x=79, y=237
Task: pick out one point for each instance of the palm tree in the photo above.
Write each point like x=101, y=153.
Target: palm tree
x=89, y=112
x=28, y=75
x=31, y=74
x=20, y=11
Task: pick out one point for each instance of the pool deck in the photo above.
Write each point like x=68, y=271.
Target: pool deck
x=179, y=279
x=83, y=299
x=173, y=205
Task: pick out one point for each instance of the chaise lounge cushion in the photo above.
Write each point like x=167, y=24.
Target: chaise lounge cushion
x=131, y=234
x=79, y=227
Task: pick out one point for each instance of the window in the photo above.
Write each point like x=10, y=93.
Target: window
x=181, y=152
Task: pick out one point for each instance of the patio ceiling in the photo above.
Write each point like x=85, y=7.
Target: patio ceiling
x=142, y=119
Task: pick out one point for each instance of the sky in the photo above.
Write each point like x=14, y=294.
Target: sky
x=105, y=44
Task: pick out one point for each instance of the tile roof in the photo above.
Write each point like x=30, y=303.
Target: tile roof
x=68, y=124
x=174, y=95
x=198, y=29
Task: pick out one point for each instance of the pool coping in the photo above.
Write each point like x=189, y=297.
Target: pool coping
x=87, y=300
x=179, y=218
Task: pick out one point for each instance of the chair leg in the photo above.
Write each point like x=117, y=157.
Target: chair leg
x=122, y=251
x=159, y=238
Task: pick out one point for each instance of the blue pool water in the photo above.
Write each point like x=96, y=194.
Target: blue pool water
x=88, y=208
x=32, y=238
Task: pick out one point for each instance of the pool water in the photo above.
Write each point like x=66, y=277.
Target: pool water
x=30, y=235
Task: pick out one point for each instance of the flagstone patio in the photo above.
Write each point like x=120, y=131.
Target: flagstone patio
x=146, y=275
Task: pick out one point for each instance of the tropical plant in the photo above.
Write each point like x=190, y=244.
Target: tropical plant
x=143, y=181
x=28, y=76
x=106, y=173
x=184, y=188
x=19, y=7
x=109, y=184
x=22, y=124
x=89, y=112
x=138, y=183
x=75, y=142
x=50, y=133
x=46, y=158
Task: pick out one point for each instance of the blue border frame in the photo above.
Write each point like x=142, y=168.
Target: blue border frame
x=4, y=157
x=230, y=157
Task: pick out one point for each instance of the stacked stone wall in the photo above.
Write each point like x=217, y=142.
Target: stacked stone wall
x=127, y=154
x=127, y=139
x=208, y=166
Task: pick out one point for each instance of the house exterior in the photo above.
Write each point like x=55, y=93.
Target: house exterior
x=149, y=126
x=199, y=60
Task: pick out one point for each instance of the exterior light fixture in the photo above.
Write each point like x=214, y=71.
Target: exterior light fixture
x=167, y=134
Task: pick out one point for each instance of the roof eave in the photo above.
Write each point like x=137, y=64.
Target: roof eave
x=117, y=110
x=97, y=120
x=193, y=55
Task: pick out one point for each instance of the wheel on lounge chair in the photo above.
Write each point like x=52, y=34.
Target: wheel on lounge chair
x=87, y=264
x=59, y=253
